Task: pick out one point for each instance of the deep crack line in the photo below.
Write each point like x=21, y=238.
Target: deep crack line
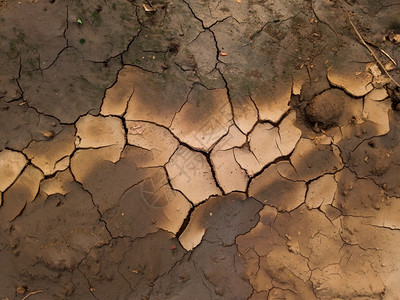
x=185, y=222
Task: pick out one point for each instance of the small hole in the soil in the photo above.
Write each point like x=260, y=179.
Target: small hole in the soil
x=173, y=47
x=371, y=144
x=396, y=106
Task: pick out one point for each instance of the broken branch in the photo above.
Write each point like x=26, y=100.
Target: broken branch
x=32, y=293
x=388, y=56
x=372, y=52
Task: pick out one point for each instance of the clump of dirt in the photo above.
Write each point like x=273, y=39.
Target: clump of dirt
x=394, y=94
x=325, y=109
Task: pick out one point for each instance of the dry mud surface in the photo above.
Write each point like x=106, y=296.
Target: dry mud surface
x=199, y=149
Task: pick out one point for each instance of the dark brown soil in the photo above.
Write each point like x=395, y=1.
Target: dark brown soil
x=199, y=150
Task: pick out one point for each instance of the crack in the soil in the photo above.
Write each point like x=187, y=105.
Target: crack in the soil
x=95, y=205
x=181, y=107
x=325, y=23
x=206, y=282
x=276, y=22
x=275, y=161
x=185, y=222
x=27, y=163
x=88, y=283
x=66, y=42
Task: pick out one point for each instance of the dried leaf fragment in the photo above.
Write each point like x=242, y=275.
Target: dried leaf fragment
x=21, y=289
x=394, y=37
x=48, y=134
x=390, y=66
x=148, y=8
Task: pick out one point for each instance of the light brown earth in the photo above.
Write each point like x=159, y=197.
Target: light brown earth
x=189, y=149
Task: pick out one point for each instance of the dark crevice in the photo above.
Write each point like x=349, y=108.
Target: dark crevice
x=207, y=155
x=180, y=108
x=170, y=184
x=277, y=123
x=28, y=162
x=276, y=22
x=185, y=223
x=66, y=42
x=94, y=204
x=88, y=283
x=143, y=69
x=326, y=24
x=46, y=115
x=275, y=161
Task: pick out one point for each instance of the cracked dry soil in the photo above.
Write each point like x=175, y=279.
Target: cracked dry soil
x=189, y=149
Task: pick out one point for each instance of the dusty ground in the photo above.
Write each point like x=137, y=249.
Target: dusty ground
x=199, y=149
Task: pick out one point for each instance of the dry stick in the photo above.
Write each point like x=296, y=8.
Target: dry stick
x=388, y=56
x=372, y=52
x=32, y=293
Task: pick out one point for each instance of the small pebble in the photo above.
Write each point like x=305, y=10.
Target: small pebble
x=48, y=134
x=21, y=289
x=389, y=66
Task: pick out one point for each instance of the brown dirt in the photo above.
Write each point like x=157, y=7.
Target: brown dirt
x=198, y=150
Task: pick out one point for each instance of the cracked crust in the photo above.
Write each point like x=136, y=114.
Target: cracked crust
x=207, y=149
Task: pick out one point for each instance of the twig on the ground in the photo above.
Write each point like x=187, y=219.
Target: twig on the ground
x=32, y=293
x=388, y=56
x=372, y=52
